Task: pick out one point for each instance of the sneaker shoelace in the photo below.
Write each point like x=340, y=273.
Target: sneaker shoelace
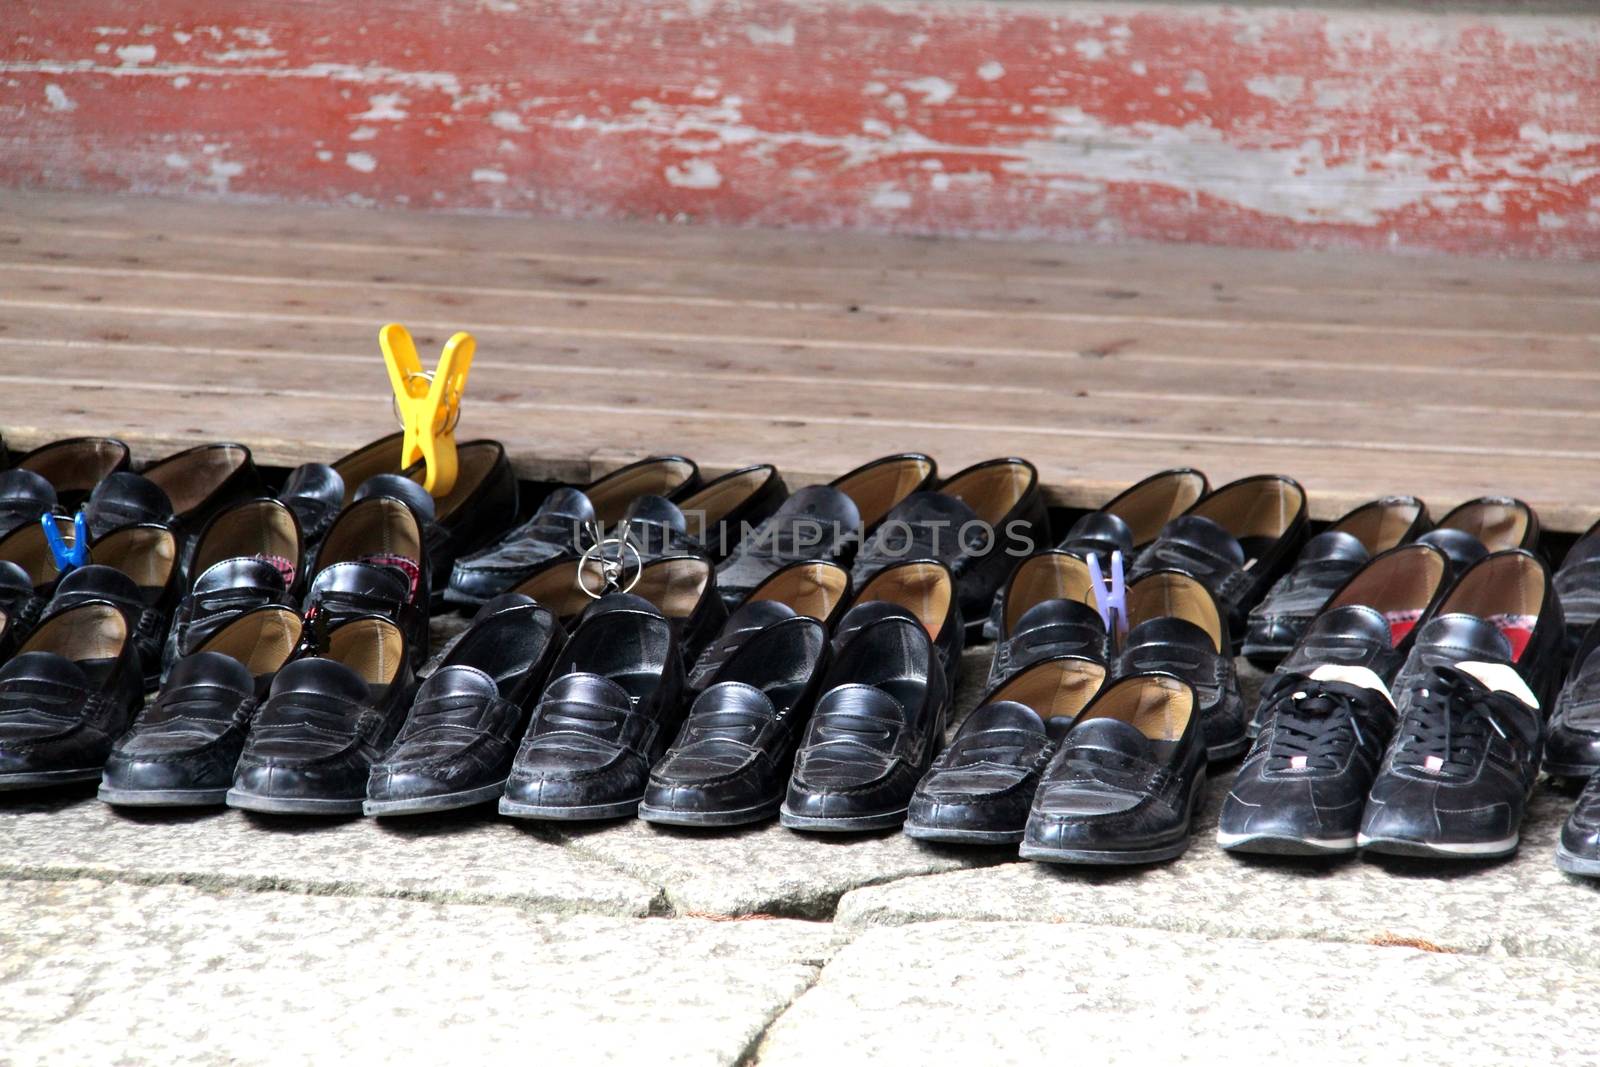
x=1314, y=726
x=1448, y=727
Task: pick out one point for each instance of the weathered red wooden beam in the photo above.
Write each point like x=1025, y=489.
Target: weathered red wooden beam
x=1272, y=127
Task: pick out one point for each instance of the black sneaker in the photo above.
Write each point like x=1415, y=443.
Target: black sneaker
x=1302, y=789
x=1465, y=757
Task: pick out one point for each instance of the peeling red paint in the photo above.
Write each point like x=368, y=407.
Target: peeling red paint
x=1266, y=127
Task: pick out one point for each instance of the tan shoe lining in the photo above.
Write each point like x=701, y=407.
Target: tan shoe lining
x=374, y=526
x=261, y=640
x=1258, y=508
x=77, y=467
x=612, y=494
x=1048, y=576
x=1498, y=585
x=370, y=647
x=924, y=589
x=1378, y=525
x=1157, y=707
x=1404, y=581
x=89, y=631
x=189, y=478
x=1498, y=526
x=1168, y=595
x=878, y=489
x=990, y=491
x=146, y=554
x=256, y=528
x=813, y=589
x=1147, y=509
x=1054, y=689
x=716, y=500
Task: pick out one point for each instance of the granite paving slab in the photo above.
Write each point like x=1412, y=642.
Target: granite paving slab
x=961, y=993
x=91, y=972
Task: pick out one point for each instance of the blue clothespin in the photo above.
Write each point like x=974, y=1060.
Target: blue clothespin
x=67, y=558
x=1110, y=597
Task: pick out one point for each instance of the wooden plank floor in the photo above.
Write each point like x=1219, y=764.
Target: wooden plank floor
x=174, y=322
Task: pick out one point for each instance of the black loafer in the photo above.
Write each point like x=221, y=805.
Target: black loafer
x=201, y=481
x=1327, y=562
x=710, y=521
x=1237, y=540
x=74, y=466
x=1046, y=609
x=1496, y=522
x=1369, y=622
x=1471, y=697
x=682, y=588
x=875, y=730
x=1125, y=782
x=125, y=499
x=611, y=708
x=824, y=522
x=812, y=589
x=730, y=762
x=327, y=719
x=557, y=529
x=977, y=522
x=979, y=790
x=919, y=589
x=28, y=575
x=24, y=496
x=1578, y=584
x=1176, y=627
x=1578, y=850
x=136, y=568
x=182, y=749
x=66, y=696
x=1572, y=747
x=373, y=562
x=1303, y=788
x=457, y=743
x=1128, y=522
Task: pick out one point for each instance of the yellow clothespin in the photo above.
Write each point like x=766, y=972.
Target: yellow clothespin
x=428, y=403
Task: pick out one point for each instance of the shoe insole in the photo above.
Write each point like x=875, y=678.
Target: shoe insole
x=1517, y=630
x=1401, y=623
x=405, y=564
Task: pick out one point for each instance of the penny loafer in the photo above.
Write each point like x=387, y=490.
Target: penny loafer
x=1496, y=522
x=373, y=562
x=712, y=520
x=1176, y=627
x=1046, y=609
x=1125, y=781
x=74, y=466
x=1237, y=540
x=730, y=762
x=873, y=734
x=182, y=748
x=922, y=590
x=327, y=719
x=611, y=708
x=1369, y=622
x=976, y=522
x=201, y=481
x=28, y=575
x=24, y=496
x=979, y=789
x=1325, y=563
x=1578, y=584
x=136, y=568
x=557, y=528
x=456, y=746
x=813, y=589
x=66, y=696
x=824, y=522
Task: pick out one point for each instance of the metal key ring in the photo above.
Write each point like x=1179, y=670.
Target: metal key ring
x=611, y=570
x=427, y=376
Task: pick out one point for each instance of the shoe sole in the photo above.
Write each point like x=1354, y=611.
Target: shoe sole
x=1103, y=857
x=1569, y=770
x=464, y=798
x=1396, y=846
x=581, y=813
x=162, y=798
x=728, y=817
x=292, y=805
x=886, y=820
x=1227, y=750
x=1578, y=865
x=38, y=779
x=955, y=836
x=1283, y=845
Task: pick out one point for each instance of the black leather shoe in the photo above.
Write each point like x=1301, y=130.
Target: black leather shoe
x=1046, y=609
x=182, y=749
x=201, y=481
x=813, y=589
x=24, y=496
x=824, y=522
x=1125, y=782
x=978, y=523
x=1369, y=622
x=1496, y=522
x=1572, y=749
x=1176, y=627
x=1471, y=696
x=922, y=590
x=457, y=743
x=1128, y=522
x=1237, y=540
x=66, y=696
x=979, y=790
x=612, y=706
x=1303, y=788
x=876, y=727
x=136, y=568
x=248, y=556
x=373, y=562
x=557, y=528
x=1463, y=762
x=74, y=466
x=1578, y=850
x=1327, y=562
x=327, y=719
x=28, y=575
x=1578, y=584
x=731, y=760
x=710, y=521
x=124, y=499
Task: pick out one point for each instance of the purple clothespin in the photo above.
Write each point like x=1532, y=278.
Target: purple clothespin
x=67, y=558
x=1110, y=597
